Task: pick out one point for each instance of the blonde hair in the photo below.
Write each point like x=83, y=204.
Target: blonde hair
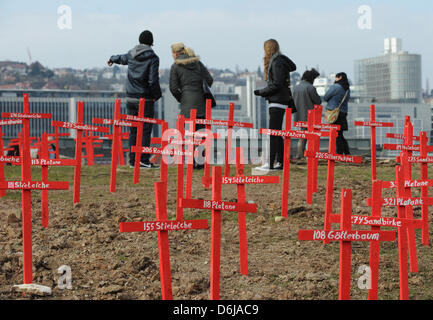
x=178, y=47
x=189, y=52
x=271, y=47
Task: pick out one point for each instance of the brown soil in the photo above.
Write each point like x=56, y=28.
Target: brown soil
x=109, y=265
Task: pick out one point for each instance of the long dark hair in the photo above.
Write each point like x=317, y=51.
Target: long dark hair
x=344, y=82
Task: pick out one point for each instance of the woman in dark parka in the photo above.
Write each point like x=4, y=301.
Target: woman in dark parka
x=187, y=75
x=186, y=80
x=277, y=68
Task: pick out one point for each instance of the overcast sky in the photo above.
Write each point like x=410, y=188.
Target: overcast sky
x=225, y=33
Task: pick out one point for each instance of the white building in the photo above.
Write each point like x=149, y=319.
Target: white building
x=393, y=77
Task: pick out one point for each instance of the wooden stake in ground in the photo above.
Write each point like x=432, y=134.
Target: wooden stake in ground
x=27, y=185
x=79, y=126
x=162, y=225
x=217, y=206
x=345, y=236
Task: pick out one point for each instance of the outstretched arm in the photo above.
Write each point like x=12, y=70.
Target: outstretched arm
x=118, y=59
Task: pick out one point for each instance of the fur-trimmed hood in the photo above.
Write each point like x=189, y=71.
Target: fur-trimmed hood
x=184, y=59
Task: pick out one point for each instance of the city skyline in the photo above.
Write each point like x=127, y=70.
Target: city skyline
x=224, y=34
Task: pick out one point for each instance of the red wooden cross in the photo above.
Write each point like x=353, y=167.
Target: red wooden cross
x=230, y=124
x=197, y=138
x=27, y=185
x=373, y=124
x=190, y=159
x=240, y=180
x=79, y=126
x=406, y=151
x=208, y=127
x=162, y=151
x=175, y=149
x=346, y=235
x=424, y=189
x=287, y=134
x=332, y=157
x=314, y=125
x=117, y=124
x=121, y=150
x=56, y=136
x=91, y=142
x=376, y=221
x=217, y=206
x=423, y=158
x=2, y=149
x=180, y=126
x=140, y=119
x=162, y=225
x=44, y=162
x=2, y=171
x=403, y=201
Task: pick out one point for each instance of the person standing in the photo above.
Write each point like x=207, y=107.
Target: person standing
x=339, y=95
x=306, y=97
x=142, y=82
x=187, y=76
x=186, y=80
x=277, y=68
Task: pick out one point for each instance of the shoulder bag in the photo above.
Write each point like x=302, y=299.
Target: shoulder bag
x=332, y=115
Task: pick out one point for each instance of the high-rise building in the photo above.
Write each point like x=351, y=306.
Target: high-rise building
x=393, y=77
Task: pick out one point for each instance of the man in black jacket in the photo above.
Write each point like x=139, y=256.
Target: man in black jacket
x=142, y=82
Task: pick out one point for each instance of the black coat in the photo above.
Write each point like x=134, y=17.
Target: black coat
x=186, y=84
x=278, y=83
x=143, y=73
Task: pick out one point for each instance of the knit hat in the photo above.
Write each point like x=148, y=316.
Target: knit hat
x=146, y=37
x=177, y=47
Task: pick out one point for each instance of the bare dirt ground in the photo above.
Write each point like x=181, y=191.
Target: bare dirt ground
x=109, y=265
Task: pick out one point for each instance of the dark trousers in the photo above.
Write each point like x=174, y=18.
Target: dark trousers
x=199, y=127
x=132, y=109
x=342, y=147
x=276, y=116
